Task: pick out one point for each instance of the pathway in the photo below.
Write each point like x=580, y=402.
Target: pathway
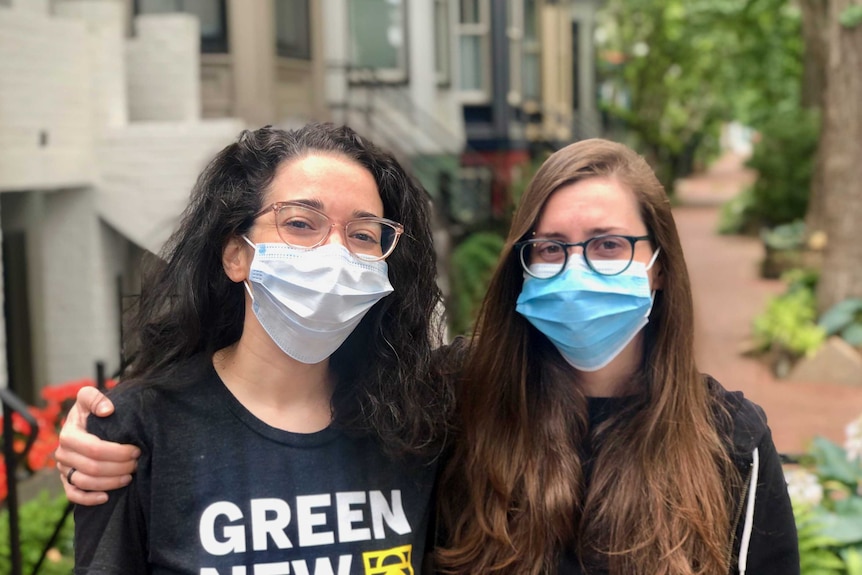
x=728, y=294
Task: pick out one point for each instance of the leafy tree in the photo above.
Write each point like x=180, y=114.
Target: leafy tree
x=688, y=66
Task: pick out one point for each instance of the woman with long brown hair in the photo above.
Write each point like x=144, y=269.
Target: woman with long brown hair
x=590, y=442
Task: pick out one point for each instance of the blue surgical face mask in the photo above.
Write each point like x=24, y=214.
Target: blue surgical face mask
x=590, y=318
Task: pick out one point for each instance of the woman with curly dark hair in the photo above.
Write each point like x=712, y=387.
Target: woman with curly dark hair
x=279, y=391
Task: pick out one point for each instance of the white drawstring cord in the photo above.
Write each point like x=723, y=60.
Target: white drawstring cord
x=749, y=513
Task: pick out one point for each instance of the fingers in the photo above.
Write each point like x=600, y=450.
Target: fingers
x=92, y=483
x=91, y=400
x=86, y=451
x=105, y=459
x=93, y=455
x=100, y=465
x=74, y=492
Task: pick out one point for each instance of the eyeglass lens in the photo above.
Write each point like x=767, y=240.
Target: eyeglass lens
x=367, y=238
x=606, y=255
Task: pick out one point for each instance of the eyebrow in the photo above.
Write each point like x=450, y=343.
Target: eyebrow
x=590, y=233
x=318, y=205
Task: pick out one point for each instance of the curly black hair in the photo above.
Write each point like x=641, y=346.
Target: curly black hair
x=189, y=307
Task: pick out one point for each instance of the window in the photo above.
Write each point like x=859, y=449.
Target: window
x=292, y=29
x=441, y=41
x=473, y=42
x=378, y=38
x=576, y=66
x=471, y=11
x=523, y=35
x=211, y=13
x=531, y=63
x=515, y=37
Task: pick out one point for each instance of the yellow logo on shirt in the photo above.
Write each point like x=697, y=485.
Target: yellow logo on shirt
x=395, y=561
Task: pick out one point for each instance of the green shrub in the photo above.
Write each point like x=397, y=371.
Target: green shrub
x=735, y=215
x=786, y=249
x=471, y=266
x=826, y=491
x=801, y=279
x=844, y=319
x=788, y=324
x=37, y=519
x=784, y=161
x=816, y=551
x=789, y=236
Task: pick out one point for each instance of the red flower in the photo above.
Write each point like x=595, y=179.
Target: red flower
x=58, y=401
x=3, y=487
x=66, y=391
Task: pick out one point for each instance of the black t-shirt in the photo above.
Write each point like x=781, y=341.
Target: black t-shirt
x=219, y=492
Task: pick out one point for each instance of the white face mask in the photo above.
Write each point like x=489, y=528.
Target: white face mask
x=310, y=300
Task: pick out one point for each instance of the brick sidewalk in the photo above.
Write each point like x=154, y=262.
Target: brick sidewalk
x=728, y=294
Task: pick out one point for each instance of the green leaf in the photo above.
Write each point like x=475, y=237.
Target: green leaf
x=852, y=561
x=851, y=16
x=471, y=266
x=853, y=334
x=844, y=529
x=832, y=463
x=840, y=315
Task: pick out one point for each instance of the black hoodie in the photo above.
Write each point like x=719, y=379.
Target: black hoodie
x=765, y=541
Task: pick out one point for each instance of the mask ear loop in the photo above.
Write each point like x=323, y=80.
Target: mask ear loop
x=248, y=289
x=647, y=268
x=245, y=283
x=653, y=259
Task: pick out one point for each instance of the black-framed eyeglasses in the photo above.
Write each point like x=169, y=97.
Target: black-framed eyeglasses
x=370, y=239
x=607, y=255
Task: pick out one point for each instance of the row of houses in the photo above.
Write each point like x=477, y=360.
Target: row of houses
x=110, y=108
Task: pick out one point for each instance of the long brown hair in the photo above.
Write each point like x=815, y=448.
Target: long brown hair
x=514, y=494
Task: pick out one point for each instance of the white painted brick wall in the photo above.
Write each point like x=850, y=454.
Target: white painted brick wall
x=105, y=25
x=80, y=307
x=45, y=115
x=148, y=170
x=4, y=372
x=114, y=261
x=70, y=243
x=163, y=62
x=42, y=7
x=65, y=123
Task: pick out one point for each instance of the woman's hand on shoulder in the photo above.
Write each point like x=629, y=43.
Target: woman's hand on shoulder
x=99, y=465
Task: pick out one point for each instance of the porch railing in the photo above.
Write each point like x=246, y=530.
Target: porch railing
x=12, y=404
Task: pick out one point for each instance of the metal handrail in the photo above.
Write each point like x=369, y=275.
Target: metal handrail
x=13, y=404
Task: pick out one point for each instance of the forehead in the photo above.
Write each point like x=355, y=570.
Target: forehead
x=589, y=207
x=332, y=180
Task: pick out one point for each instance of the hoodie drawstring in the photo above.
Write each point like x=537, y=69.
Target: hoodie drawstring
x=749, y=513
